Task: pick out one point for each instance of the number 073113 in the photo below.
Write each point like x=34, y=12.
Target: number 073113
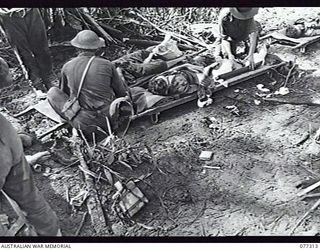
x=309, y=245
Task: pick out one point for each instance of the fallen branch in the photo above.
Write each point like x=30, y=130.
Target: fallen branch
x=81, y=223
x=276, y=221
x=314, y=207
x=281, y=101
x=104, y=34
x=177, y=36
x=303, y=139
x=67, y=167
x=87, y=172
x=289, y=74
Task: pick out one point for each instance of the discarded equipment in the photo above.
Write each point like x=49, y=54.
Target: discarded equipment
x=131, y=198
x=206, y=155
x=79, y=199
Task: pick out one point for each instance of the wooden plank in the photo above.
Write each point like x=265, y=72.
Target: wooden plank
x=250, y=74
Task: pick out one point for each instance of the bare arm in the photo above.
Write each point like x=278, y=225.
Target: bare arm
x=175, y=61
x=119, y=71
x=253, y=37
x=227, y=47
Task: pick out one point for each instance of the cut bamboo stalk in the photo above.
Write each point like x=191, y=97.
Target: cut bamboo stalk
x=309, y=189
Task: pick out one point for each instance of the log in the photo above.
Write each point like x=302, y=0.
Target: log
x=112, y=31
x=148, y=43
x=104, y=34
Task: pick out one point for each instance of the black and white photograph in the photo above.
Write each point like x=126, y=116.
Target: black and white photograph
x=159, y=121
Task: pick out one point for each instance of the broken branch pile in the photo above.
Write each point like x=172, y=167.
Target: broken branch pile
x=100, y=164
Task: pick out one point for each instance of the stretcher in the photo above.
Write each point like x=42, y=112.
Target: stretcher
x=45, y=108
x=295, y=43
x=230, y=79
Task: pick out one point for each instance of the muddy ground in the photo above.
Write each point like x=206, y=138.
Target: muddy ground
x=254, y=191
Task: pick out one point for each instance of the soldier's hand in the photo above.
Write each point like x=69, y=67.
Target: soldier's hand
x=249, y=60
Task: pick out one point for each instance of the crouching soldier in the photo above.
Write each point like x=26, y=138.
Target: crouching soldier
x=237, y=25
x=16, y=179
x=88, y=86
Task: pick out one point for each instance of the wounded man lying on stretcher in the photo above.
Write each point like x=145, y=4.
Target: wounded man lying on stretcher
x=303, y=28
x=189, y=78
x=146, y=62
